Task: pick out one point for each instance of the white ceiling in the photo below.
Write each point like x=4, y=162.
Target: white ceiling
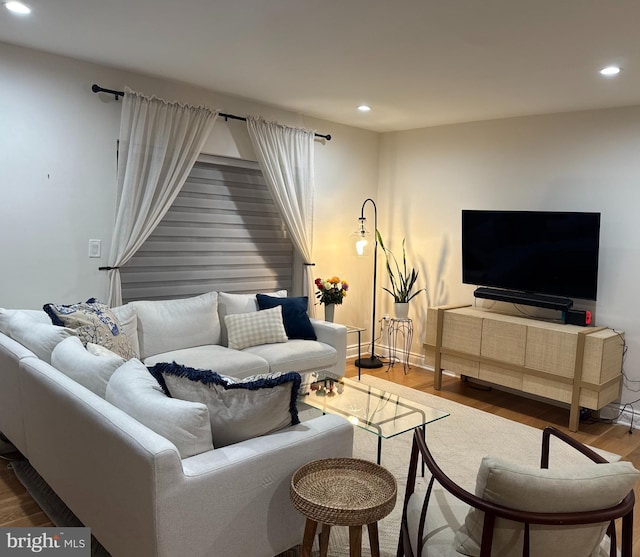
x=416, y=62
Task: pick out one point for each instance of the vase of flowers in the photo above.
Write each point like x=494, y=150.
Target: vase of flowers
x=330, y=292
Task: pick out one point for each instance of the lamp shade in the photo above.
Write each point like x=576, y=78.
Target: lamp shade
x=362, y=241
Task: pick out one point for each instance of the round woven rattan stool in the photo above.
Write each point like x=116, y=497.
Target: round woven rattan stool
x=342, y=492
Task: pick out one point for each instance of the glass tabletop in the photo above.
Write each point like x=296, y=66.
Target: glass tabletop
x=374, y=410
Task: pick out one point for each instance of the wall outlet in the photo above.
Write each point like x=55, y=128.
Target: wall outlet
x=95, y=248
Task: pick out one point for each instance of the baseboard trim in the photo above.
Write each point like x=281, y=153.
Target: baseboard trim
x=382, y=351
x=621, y=414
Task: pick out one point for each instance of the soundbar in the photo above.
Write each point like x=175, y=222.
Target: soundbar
x=524, y=298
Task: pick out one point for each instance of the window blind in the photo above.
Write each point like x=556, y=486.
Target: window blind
x=223, y=233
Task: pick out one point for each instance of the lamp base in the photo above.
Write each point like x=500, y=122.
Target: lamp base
x=368, y=363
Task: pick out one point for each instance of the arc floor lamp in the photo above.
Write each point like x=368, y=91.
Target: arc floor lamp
x=363, y=242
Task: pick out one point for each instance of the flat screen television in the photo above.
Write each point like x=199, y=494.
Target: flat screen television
x=541, y=252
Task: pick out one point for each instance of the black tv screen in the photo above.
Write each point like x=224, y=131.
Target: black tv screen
x=541, y=252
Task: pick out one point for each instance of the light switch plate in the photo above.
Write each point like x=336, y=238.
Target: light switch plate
x=95, y=248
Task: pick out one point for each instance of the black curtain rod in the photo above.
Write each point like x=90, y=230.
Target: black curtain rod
x=117, y=94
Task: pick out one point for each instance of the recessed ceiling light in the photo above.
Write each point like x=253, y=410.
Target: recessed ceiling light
x=364, y=108
x=17, y=7
x=610, y=70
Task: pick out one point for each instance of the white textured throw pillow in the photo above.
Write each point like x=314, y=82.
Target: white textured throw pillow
x=570, y=489
x=128, y=319
x=238, y=409
x=91, y=370
x=258, y=327
x=186, y=424
x=166, y=325
x=40, y=338
x=232, y=304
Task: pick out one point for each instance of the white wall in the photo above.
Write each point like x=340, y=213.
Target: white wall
x=58, y=165
x=582, y=161
x=57, y=187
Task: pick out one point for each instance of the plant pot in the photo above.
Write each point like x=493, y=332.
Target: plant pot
x=401, y=310
x=329, y=310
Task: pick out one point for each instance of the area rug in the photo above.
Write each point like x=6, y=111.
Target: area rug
x=458, y=443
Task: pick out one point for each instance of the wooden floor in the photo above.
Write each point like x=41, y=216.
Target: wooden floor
x=613, y=438
x=17, y=508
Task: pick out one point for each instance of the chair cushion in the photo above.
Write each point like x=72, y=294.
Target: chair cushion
x=186, y=424
x=445, y=515
x=165, y=325
x=93, y=322
x=294, y=314
x=238, y=409
x=258, y=327
x=225, y=361
x=570, y=489
x=232, y=304
x=91, y=370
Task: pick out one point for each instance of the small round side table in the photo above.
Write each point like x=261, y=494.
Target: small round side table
x=342, y=492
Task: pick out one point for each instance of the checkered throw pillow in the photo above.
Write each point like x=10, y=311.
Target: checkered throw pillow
x=256, y=327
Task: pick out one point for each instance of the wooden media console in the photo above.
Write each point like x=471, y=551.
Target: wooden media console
x=580, y=366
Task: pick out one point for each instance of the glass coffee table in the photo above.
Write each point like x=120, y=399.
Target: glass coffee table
x=371, y=409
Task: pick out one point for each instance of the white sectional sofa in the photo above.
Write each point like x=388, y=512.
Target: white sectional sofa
x=130, y=484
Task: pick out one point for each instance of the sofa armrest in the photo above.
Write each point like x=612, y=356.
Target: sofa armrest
x=243, y=488
x=334, y=335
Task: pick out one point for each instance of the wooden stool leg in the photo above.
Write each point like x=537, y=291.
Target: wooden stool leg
x=372, y=529
x=355, y=541
x=324, y=540
x=309, y=533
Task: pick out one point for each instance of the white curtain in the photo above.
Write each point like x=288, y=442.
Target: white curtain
x=285, y=156
x=159, y=144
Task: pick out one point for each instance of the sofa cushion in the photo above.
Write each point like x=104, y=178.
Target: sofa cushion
x=238, y=409
x=90, y=370
x=258, y=327
x=571, y=489
x=225, y=361
x=5, y=314
x=294, y=314
x=296, y=355
x=40, y=338
x=232, y=304
x=93, y=322
x=165, y=325
x=186, y=424
x=128, y=319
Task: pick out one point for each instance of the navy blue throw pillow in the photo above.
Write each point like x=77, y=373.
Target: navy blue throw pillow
x=294, y=315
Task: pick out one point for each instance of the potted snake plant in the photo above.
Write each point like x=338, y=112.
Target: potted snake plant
x=402, y=279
